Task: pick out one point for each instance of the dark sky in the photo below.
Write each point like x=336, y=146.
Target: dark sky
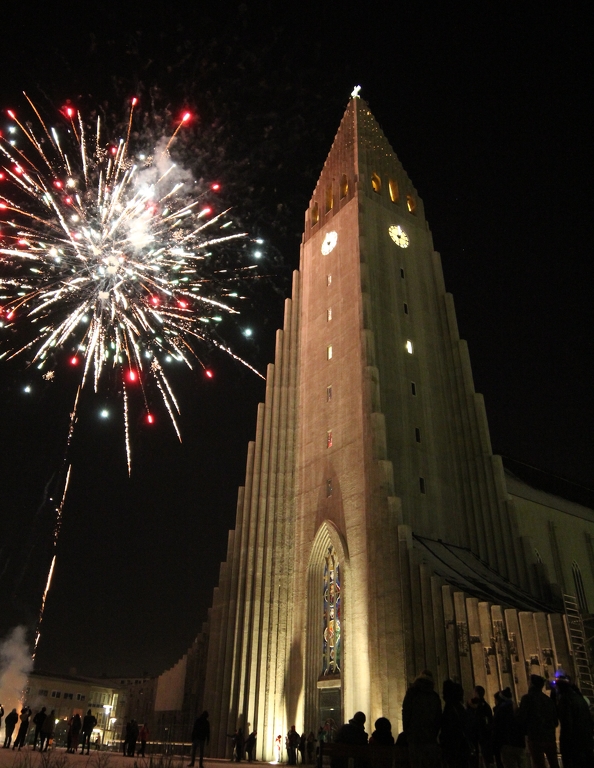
x=487, y=106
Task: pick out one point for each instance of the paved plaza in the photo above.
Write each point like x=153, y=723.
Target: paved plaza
x=59, y=758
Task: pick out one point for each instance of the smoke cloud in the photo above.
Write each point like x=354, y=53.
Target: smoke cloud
x=15, y=665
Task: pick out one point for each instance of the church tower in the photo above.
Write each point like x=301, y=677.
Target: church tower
x=375, y=536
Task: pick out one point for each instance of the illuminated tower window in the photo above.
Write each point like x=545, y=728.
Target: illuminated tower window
x=329, y=198
x=394, y=192
x=328, y=279
x=376, y=183
x=329, y=314
x=329, y=439
x=315, y=214
x=331, y=639
x=409, y=346
x=344, y=186
x=329, y=394
x=329, y=351
x=411, y=204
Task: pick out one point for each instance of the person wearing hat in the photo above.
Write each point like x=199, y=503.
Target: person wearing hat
x=575, y=740
x=421, y=721
x=508, y=739
x=537, y=715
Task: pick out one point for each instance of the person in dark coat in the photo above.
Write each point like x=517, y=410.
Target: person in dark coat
x=353, y=733
x=88, y=723
x=38, y=721
x=508, y=740
x=132, y=737
x=23, y=728
x=421, y=721
x=480, y=725
x=125, y=738
x=250, y=745
x=454, y=741
x=144, y=736
x=311, y=747
x=575, y=740
x=200, y=737
x=292, y=745
x=47, y=730
x=537, y=715
x=10, y=722
x=74, y=733
x=382, y=736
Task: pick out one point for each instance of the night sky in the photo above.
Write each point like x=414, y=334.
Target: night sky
x=487, y=106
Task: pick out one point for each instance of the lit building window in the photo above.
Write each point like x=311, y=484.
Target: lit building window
x=411, y=204
x=315, y=214
x=394, y=192
x=329, y=198
x=331, y=634
x=328, y=279
x=376, y=183
x=409, y=346
x=329, y=393
x=329, y=314
x=344, y=186
x=329, y=439
x=329, y=351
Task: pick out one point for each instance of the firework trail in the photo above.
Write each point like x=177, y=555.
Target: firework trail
x=110, y=261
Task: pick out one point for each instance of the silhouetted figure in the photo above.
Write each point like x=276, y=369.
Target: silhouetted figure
x=89, y=722
x=250, y=745
x=453, y=738
x=353, y=733
x=302, y=746
x=292, y=745
x=23, y=728
x=125, y=738
x=480, y=725
x=47, y=731
x=1, y=714
x=311, y=746
x=38, y=721
x=10, y=722
x=144, y=736
x=74, y=733
x=575, y=740
x=538, y=719
x=132, y=737
x=421, y=721
x=382, y=736
x=508, y=739
x=200, y=738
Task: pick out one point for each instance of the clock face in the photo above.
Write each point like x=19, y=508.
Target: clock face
x=399, y=236
x=329, y=242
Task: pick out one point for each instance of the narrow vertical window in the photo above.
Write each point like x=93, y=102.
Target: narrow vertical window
x=329, y=393
x=329, y=351
x=402, y=273
x=413, y=388
x=417, y=434
x=411, y=204
x=329, y=198
x=329, y=439
x=376, y=183
x=328, y=279
x=331, y=624
x=409, y=346
x=344, y=186
x=394, y=193
x=422, y=484
x=315, y=214
x=329, y=487
x=329, y=314
x=405, y=308
x=579, y=587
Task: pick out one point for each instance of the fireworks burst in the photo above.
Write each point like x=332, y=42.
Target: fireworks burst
x=105, y=256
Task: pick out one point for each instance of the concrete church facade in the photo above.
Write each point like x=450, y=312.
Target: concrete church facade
x=376, y=534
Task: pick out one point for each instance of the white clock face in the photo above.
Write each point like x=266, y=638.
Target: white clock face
x=329, y=242
x=399, y=236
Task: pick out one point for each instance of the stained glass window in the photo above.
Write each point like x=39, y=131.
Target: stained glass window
x=331, y=636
